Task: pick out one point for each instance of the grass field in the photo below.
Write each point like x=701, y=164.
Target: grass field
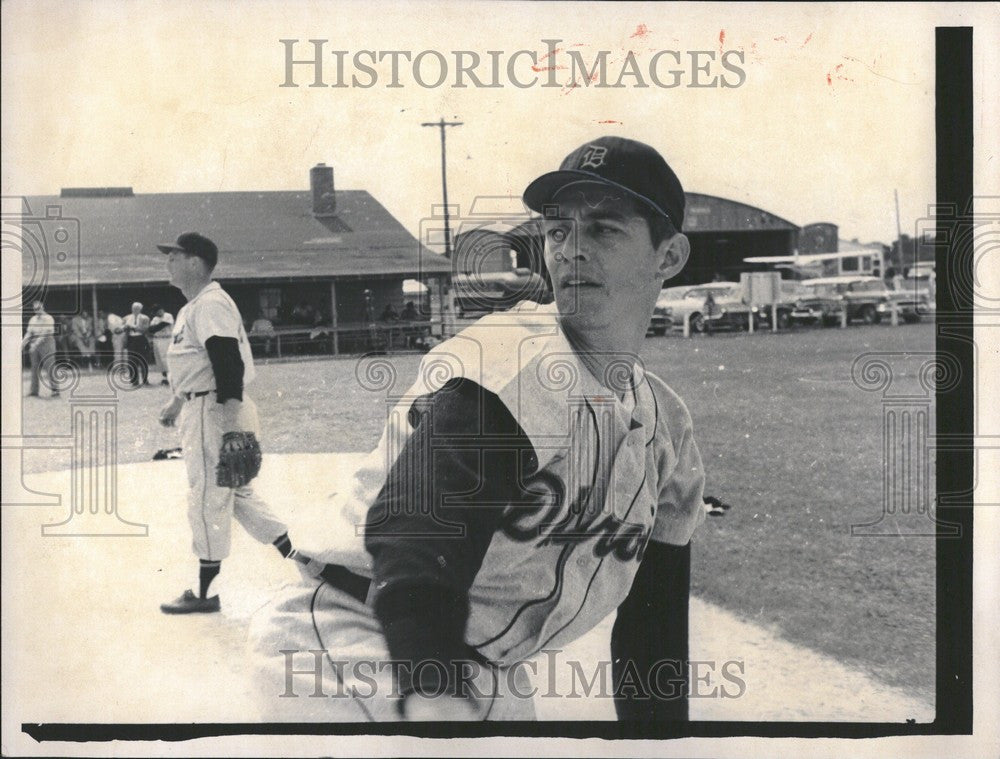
x=786, y=436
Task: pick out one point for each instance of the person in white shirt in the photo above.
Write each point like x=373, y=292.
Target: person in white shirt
x=262, y=330
x=39, y=339
x=137, y=345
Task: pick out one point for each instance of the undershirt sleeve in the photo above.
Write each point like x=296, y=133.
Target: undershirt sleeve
x=227, y=366
x=432, y=523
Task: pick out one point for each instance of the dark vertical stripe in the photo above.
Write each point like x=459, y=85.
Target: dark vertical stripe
x=955, y=405
x=204, y=471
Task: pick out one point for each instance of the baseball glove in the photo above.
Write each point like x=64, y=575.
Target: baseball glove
x=715, y=507
x=239, y=459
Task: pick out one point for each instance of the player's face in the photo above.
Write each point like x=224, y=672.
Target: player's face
x=179, y=266
x=604, y=267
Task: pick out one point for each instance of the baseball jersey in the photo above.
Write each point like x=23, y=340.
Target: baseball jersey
x=606, y=477
x=165, y=331
x=210, y=312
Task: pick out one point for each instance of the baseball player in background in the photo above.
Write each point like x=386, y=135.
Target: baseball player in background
x=532, y=481
x=210, y=363
x=161, y=328
x=116, y=325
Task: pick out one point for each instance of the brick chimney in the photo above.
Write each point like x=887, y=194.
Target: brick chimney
x=323, y=197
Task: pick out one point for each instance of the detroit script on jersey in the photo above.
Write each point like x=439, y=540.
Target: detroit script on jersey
x=608, y=479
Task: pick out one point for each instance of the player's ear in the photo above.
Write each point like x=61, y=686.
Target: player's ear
x=673, y=253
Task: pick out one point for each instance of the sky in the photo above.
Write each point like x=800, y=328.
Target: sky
x=832, y=115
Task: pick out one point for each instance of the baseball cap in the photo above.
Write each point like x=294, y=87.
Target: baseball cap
x=627, y=164
x=194, y=244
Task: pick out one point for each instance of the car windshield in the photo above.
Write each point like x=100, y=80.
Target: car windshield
x=672, y=293
x=702, y=292
x=820, y=289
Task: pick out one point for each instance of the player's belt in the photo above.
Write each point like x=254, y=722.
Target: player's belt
x=199, y=394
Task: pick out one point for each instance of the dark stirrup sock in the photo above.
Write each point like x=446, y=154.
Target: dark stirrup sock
x=284, y=545
x=207, y=573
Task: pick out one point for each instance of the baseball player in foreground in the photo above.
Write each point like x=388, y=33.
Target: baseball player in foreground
x=533, y=480
x=209, y=364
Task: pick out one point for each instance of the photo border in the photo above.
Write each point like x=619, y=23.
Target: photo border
x=954, y=556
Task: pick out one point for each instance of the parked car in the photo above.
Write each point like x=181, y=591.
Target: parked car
x=730, y=312
x=868, y=300
x=791, y=292
x=817, y=303
x=922, y=285
x=660, y=322
x=921, y=269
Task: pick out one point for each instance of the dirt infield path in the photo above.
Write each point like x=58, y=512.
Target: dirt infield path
x=85, y=641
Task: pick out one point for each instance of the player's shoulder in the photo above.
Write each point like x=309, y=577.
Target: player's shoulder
x=213, y=292
x=524, y=319
x=672, y=411
x=497, y=348
x=213, y=299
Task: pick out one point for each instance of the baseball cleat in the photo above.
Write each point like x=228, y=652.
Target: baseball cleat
x=189, y=603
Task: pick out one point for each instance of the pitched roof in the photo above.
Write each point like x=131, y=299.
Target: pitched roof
x=261, y=236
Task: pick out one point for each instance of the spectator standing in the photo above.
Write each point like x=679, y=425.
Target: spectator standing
x=102, y=338
x=262, y=331
x=39, y=339
x=709, y=315
x=63, y=329
x=137, y=345
x=81, y=337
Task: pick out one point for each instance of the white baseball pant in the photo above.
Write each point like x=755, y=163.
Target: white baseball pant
x=211, y=509
x=320, y=656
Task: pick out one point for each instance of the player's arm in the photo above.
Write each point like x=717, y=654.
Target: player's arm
x=227, y=366
x=458, y=470
x=170, y=411
x=649, y=640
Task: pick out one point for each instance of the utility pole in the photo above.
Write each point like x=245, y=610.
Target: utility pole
x=441, y=124
x=899, y=232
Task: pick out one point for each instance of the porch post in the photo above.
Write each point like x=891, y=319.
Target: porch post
x=333, y=316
